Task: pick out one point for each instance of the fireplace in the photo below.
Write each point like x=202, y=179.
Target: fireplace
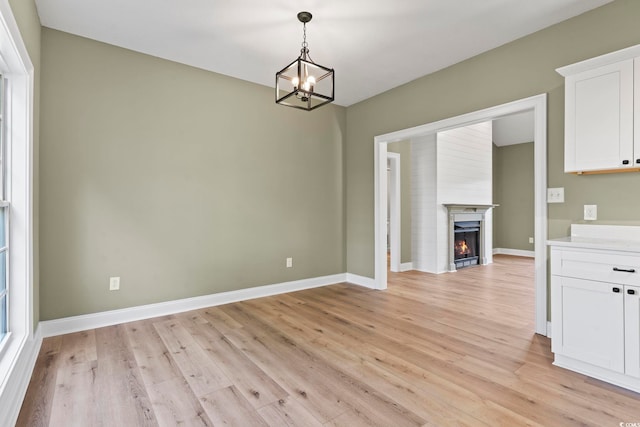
x=467, y=235
x=466, y=245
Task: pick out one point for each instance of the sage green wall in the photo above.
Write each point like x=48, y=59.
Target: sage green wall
x=26, y=16
x=404, y=149
x=517, y=70
x=513, y=190
x=180, y=181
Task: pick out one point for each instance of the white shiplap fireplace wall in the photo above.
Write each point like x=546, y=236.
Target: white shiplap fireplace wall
x=452, y=167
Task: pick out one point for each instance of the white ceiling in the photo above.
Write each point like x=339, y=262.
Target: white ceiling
x=373, y=45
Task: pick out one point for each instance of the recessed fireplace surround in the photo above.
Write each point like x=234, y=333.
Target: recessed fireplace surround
x=467, y=235
x=466, y=243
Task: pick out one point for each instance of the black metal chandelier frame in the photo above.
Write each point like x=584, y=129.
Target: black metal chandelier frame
x=296, y=86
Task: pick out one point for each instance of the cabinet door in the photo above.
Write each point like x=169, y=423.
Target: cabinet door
x=599, y=118
x=588, y=321
x=632, y=330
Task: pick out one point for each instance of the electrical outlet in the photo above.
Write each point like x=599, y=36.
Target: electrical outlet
x=530, y=239
x=114, y=283
x=555, y=195
x=590, y=212
x=289, y=262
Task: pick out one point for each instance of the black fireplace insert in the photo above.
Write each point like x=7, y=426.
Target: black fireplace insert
x=466, y=245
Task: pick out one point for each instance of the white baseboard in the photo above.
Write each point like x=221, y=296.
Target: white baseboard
x=406, y=266
x=514, y=252
x=367, y=282
x=17, y=382
x=424, y=270
x=113, y=317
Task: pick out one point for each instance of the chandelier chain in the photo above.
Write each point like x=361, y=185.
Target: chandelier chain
x=304, y=36
x=305, y=46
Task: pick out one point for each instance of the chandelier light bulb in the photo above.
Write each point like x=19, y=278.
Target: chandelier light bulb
x=295, y=82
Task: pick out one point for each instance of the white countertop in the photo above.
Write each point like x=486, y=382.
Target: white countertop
x=596, y=243
x=607, y=237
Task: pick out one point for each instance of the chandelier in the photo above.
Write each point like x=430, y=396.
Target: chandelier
x=304, y=84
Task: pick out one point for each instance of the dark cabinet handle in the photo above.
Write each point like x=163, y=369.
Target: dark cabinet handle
x=616, y=290
x=637, y=160
x=631, y=291
x=625, y=270
x=625, y=162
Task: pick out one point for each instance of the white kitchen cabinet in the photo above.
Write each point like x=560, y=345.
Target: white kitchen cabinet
x=591, y=322
x=632, y=330
x=595, y=303
x=601, y=105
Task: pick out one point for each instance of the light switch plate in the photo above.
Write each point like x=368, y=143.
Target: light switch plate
x=555, y=195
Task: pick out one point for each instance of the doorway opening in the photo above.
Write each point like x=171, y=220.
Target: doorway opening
x=537, y=104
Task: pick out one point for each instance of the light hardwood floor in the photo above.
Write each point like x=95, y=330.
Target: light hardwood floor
x=435, y=350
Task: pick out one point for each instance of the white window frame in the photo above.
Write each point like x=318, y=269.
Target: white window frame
x=16, y=67
x=4, y=249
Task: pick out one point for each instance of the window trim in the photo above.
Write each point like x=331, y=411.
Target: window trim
x=6, y=293
x=5, y=298
x=16, y=67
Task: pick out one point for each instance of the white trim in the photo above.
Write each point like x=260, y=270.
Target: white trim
x=406, y=266
x=600, y=61
x=549, y=329
x=12, y=43
x=380, y=214
x=361, y=281
x=21, y=349
x=18, y=380
x=540, y=207
x=536, y=103
x=395, y=227
x=113, y=317
x=514, y=252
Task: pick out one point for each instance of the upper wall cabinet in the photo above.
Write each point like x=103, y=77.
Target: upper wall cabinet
x=601, y=107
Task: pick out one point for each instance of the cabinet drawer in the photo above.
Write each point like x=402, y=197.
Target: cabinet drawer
x=600, y=266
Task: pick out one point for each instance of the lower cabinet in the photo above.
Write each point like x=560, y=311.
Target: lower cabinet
x=591, y=326
x=632, y=330
x=596, y=323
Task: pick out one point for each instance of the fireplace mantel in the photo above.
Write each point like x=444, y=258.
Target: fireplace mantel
x=463, y=208
x=466, y=212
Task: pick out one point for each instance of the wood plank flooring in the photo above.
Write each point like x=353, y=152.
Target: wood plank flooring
x=432, y=350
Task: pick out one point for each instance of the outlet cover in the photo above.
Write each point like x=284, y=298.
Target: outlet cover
x=289, y=262
x=114, y=283
x=590, y=212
